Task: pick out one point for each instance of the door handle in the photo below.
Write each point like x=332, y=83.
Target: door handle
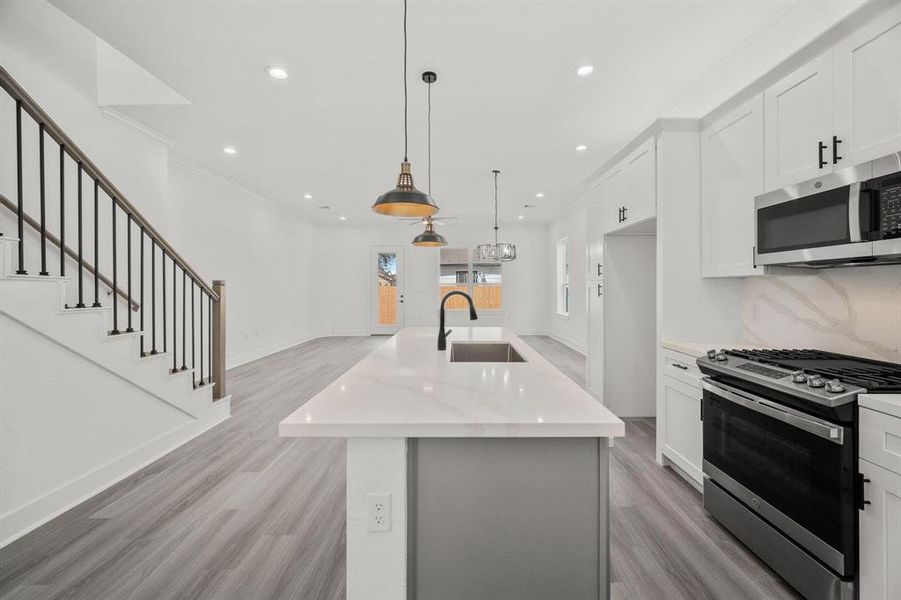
x=599, y=290
x=835, y=143
x=822, y=147
x=620, y=214
x=599, y=269
x=625, y=214
x=861, y=492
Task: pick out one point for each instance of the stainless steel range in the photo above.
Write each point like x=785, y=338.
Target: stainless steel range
x=780, y=458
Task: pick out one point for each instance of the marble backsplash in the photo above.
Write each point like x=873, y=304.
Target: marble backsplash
x=851, y=310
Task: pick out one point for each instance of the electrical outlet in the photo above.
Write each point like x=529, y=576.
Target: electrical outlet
x=379, y=511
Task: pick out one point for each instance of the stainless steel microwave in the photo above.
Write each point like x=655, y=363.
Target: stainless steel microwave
x=850, y=217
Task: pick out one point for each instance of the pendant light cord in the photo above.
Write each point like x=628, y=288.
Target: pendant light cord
x=496, y=173
x=405, y=81
x=429, y=120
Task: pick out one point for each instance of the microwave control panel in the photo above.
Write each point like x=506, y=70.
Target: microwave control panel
x=890, y=209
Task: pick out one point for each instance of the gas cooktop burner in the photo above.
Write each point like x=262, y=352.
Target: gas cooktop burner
x=874, y=375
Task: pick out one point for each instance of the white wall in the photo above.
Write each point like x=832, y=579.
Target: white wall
x=571, y=330
x=262, y=251
x=343, y=252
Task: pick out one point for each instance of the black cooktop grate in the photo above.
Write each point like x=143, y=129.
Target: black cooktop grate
x=874, y=375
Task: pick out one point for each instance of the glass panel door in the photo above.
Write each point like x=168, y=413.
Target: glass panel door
x=388, y=290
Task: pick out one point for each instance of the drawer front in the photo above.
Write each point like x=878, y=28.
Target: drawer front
x=880, y=439
x=683, y=367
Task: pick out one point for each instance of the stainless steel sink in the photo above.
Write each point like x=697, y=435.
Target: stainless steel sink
x=493, y=352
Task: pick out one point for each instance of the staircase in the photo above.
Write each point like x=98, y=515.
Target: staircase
x=86, y=277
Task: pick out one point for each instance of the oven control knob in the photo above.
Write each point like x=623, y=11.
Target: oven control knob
x=711, y=354
x=815, y=381
x=721, y=356
x=799, y=377
x=835, y=386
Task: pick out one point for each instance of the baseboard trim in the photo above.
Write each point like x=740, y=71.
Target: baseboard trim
x=572, y=345
x=247, y=357
x=29, y=517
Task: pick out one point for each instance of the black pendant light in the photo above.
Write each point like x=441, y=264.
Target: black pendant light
x=429, y=238
x=405, y=200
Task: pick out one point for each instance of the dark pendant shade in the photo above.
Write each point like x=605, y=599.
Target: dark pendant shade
x=429, y=238
x=405, y=200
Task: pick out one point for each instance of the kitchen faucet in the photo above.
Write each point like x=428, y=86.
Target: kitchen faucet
x=442, y=334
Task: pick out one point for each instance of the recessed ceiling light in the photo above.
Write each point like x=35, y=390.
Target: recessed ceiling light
x=308, y=196
x=539, y=195
x=342, y=218
x=230, y=150
x=581, y=148
x=277, y=73
x=584, y=70
x=521, y=217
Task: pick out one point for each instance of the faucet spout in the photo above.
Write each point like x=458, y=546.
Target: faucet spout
x=442, y=333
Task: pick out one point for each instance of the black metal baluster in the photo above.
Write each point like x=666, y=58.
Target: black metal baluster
x=43, y=205
x=153, y=295
x=97, y=244
x=115, y=330
x=193, y=339
x=174, y=318
x=184, y=319
x=143, y=305
x=163, y=279
x=62, y=210
x=209, y=333
x=20, y=216
x=129, y=329
x=201, y=338
x=80, y=245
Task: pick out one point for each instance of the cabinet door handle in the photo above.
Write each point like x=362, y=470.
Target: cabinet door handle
x=835, y=143
x=680, y=366
x=599, y=269
x=861, y=492
x=822, y=147
x=625, y=215
x=620, y=214
x=599, y=290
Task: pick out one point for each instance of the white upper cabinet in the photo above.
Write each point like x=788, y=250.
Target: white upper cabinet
x=630, y=188
x=868, y=90
x=731, y=175
x=798, y=125
x=641, y=173
x=841, y=109
x=615, y=191
x=595, y=234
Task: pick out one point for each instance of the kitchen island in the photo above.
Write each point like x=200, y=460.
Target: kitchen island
x=468, y=479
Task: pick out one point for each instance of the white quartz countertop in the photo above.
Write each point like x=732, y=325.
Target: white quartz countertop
x=407, y=388
x=885, y=403
x=700, y=348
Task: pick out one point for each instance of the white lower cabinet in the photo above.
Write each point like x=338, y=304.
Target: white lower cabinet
x=880, y=534
x=682, y=438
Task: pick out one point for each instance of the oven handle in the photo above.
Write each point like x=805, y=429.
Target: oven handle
x=779, y=412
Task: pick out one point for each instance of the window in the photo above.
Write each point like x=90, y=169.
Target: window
x=563, y=276
x=481, y=280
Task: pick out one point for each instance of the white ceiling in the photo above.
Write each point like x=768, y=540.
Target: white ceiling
x=506, y=97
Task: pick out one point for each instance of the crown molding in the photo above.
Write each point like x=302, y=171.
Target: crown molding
x=115, y=115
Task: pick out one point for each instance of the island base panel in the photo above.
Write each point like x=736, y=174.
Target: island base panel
x=508, y=518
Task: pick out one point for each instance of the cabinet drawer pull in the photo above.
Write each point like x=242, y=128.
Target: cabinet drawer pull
x=822, y=147
x=835, y=143
x=680, y=366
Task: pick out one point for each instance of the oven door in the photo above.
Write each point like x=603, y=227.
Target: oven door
x=794, y=470
x=822, y=227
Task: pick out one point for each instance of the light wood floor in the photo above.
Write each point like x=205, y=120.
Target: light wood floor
x=240, y=513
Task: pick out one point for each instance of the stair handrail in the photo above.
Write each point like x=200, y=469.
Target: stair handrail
x=56, y=133
x=34, y=224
